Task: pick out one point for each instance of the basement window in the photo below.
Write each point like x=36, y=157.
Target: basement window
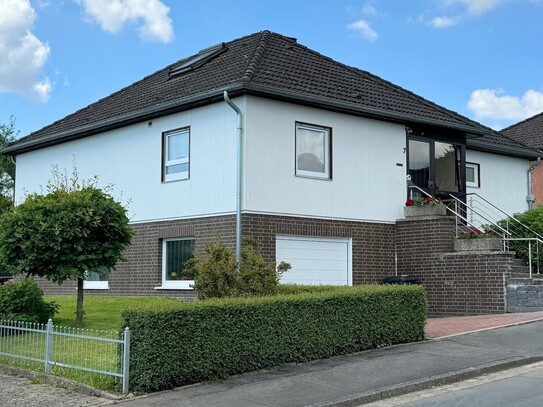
x=199, y=59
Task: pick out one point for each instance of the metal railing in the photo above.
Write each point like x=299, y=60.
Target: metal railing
x=477, y=212
x=63, y=350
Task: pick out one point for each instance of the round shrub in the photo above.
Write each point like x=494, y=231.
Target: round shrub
x=23, y=301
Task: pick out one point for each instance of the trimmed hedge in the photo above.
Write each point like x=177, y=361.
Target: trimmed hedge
x=212, y=339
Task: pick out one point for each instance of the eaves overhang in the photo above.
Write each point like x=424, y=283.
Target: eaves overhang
x=528, y=153
x=235, y=89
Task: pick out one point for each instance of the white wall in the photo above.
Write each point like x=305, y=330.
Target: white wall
x=130, y=159
x=366, y=182
x=503, y=180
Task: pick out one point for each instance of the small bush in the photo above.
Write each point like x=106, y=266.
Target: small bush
x=212, y=339
x=23, y=301
x=217, y=276
x=533, y=219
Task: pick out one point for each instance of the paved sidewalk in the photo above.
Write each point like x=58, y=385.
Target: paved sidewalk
x=366, y=376
x=450, y=326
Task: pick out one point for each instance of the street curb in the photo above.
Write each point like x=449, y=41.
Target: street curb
x=427, y=383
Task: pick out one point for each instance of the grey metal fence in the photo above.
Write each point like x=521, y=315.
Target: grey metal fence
x=67, y=352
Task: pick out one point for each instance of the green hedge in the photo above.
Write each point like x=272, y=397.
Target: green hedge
x=208, y=340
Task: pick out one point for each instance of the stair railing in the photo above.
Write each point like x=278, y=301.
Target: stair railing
x=475, y=215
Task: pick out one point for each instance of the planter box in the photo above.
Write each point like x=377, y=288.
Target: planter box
x=478, y=245
x=424, y=211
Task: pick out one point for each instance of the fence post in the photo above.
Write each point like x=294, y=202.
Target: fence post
x=126, y=360
x=48, y=345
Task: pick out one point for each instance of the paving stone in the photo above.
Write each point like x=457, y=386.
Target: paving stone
x=22, y=392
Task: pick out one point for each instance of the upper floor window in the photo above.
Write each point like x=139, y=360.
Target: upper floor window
x=176, y=154
x=313, y=151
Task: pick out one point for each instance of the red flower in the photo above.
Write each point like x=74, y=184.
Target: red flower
x=409, y=202
x=427, y=199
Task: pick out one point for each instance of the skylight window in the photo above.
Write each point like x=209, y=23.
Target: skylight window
x=199, y=59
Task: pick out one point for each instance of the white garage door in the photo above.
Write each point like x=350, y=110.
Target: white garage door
x=315, y=260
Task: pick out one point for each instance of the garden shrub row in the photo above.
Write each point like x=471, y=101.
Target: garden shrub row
x=212, y=339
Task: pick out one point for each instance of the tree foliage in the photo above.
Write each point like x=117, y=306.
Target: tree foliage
x=7, y=165
x=65, y=233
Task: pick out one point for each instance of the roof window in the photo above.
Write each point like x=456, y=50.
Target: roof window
x=199, y=59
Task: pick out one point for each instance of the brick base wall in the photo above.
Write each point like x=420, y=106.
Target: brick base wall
x=372, y=243
x=456, y=283
x=142, y=271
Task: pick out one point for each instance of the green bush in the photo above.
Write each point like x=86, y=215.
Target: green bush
x=217, y=276
x=212, y=339
x=533, y=219
x=23, y=301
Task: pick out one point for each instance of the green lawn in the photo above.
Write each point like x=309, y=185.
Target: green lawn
x=102, y=312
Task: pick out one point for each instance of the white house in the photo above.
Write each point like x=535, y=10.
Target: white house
x=325, y=153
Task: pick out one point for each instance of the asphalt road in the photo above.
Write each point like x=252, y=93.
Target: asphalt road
x=520, y=387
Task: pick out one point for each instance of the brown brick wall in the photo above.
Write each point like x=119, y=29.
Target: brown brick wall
x=143, y=269
x=372, y=243
x=456, y=283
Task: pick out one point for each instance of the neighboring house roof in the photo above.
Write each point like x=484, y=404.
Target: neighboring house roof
x=265, y=64
x=528, y=132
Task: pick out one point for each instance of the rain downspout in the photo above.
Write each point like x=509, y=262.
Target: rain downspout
x=239, y=172
x=531, y=198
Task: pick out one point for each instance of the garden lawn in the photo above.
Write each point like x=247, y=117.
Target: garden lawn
x=103, y=312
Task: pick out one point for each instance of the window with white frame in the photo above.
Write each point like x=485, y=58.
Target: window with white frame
x=176, y=155
x=96, y=280
x=473, y=175
x=313, y=151
x=175, y=252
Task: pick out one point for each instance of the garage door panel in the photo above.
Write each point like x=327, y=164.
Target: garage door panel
x=314, y=260
x=292, y=253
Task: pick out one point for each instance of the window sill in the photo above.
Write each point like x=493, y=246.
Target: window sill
x=174, y=287
x=97, y=287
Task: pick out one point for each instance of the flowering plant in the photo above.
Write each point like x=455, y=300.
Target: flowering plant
x=422, y=201
x=477, y=234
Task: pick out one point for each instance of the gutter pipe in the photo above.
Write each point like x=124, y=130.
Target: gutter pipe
x=239, y=174
x=531, y=198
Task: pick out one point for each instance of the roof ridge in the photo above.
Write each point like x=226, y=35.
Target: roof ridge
x=257, y=56
x=521, y=122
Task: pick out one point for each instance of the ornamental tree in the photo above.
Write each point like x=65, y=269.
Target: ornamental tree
x=62, y=235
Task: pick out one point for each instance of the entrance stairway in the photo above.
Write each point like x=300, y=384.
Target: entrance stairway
x=523, y=283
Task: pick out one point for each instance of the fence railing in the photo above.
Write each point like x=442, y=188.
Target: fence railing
x=64, y=350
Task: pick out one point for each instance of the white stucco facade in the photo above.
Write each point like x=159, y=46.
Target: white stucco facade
x=130, y=159
x=368, y=166
x=503, y=180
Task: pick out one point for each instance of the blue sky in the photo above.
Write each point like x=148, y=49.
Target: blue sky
x=481, y=58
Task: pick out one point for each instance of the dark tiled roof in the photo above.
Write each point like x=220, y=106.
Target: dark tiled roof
x=529, y=131
x=266, y=64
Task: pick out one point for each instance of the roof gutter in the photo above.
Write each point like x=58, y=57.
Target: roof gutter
x=152, y=112
x=216, y=95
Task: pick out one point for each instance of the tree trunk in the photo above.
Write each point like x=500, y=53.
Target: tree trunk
x=79, y=307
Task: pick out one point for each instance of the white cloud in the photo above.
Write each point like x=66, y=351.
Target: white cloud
x=494, y=104
x=369, y=9
x=22, y=54
x=477, y=7
x=443, y=22
x=151, y=16
x=363, y=28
